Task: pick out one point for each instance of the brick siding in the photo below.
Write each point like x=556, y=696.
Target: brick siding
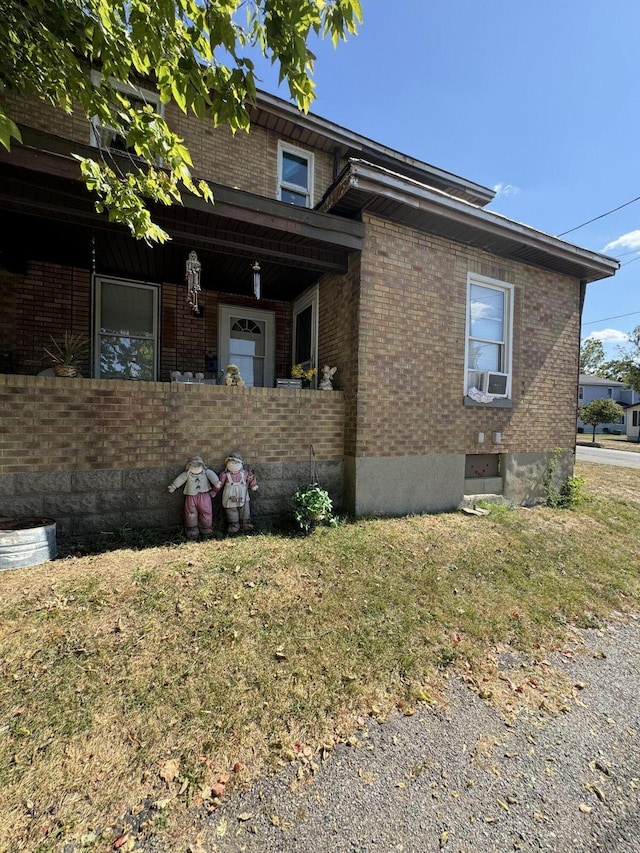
x=412, y=344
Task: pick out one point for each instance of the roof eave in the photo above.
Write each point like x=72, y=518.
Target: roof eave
x=363, y=186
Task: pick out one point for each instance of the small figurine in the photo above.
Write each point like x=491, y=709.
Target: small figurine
x=237, y=481
x=232, y=376
x=198, y=483
x=326, y=383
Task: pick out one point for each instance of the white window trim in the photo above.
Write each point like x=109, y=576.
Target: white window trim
x=96, y=130
x=97, y=334
x=309, y=157
x=509, y=290
x=225, y=312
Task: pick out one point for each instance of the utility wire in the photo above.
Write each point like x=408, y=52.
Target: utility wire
x=604, y=319
x=602, y=215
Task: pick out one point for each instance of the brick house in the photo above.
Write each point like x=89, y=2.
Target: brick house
x=454, y=330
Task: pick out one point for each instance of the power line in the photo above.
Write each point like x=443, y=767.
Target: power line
x=604, y=319
x=602, y=215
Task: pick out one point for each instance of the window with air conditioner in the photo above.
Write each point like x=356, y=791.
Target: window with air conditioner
x=489, y=337
x=295, y=175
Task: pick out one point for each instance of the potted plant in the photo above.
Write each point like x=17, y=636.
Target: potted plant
x=67, y=352
x=312, y=506
x=306, y=375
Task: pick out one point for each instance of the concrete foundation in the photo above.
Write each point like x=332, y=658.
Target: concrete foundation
x=87, y=502
x=402, y=485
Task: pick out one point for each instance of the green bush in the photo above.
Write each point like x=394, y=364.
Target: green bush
x=312, y=505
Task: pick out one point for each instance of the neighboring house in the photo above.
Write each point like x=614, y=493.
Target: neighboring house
x=592, y=388
x=454, y=330
x=632, y=419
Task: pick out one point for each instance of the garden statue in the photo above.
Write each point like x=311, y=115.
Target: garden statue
x=232, y=376
x=326, y=383
x=236, y=481
x=198, y=481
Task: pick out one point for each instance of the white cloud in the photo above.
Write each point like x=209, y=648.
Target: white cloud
x=505, y=190
x=608, y=336
x=627, y=241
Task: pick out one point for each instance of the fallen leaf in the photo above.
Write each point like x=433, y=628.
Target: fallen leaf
x=169, y=770
x=444, y=838
x=237, y=767
x=585, y=809
x=245, y=816
x=218, y=789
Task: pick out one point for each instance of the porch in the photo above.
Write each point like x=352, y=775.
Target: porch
x=96, y=455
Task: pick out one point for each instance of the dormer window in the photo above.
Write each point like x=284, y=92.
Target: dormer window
x=295, y=175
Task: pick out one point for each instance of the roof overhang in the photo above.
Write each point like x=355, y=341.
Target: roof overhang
x=311, y=131
x=40, y=181
x=364, y=186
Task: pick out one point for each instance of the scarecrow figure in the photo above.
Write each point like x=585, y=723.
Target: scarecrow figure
x=236, y=481
x=198, y=481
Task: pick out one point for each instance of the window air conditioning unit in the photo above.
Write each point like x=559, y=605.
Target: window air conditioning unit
x=494, y=383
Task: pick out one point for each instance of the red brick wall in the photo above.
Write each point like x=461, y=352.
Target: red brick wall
x=51, y=299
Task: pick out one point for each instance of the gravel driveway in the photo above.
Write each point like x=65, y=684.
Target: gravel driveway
x=459, y=779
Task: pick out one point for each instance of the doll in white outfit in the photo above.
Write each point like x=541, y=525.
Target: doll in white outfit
x=236, y=482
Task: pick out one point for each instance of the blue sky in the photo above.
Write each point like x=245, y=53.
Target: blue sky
x=537, y=98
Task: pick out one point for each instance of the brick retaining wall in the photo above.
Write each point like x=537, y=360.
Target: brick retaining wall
x=98, y=454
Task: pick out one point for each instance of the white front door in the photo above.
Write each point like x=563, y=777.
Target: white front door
x=246, y=337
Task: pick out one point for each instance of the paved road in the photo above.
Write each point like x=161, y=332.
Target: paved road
x=622, y=458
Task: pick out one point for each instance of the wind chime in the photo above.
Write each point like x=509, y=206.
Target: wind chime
x=192, y=275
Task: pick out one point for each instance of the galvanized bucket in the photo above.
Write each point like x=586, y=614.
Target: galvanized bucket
x=26, y=541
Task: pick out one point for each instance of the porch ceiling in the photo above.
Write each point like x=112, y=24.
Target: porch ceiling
x=46, y=214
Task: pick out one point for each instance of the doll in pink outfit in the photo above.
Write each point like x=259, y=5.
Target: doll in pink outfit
x=236, y=482
x=198, y=482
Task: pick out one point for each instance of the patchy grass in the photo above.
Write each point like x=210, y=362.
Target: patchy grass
x=608, y=441
x=135, y=681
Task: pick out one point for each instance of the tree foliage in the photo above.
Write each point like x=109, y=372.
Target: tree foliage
x=626, y=368
x=603, y=411
x=196, y=53
x=591, y=356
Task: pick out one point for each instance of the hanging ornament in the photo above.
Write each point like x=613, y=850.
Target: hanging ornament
x=192, y=276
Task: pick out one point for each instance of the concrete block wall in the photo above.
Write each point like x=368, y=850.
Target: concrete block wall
x=99, y=454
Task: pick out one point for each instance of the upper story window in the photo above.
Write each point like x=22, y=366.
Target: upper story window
x=104, y=136
x=489, y=336
x=295, y=175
